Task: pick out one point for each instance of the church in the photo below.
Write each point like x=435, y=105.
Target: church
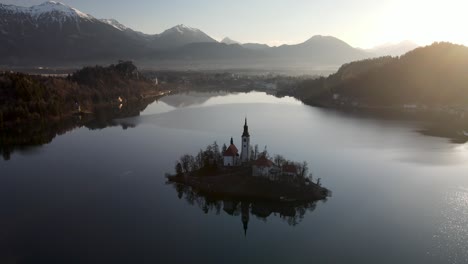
x=231, y=155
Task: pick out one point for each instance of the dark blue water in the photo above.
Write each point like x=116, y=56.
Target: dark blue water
x=99, y=196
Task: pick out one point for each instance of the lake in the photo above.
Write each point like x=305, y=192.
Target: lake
x=100, y=196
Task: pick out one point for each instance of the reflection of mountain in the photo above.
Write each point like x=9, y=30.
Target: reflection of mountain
x=291, y=212
x=189, y=99
x=39, y=133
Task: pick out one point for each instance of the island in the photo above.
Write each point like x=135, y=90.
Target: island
x=248, y=175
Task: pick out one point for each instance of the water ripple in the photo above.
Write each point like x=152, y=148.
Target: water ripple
x=452, y=236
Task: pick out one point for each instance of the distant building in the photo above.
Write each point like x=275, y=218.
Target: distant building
x=262, y=167
x=231, y=155
x=289, y=170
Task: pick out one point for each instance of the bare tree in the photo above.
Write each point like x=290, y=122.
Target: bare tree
x=224, y=148
x=304, y=169
x=217, y=155
x=279, y=160
x=265, y=152
x=199, y=159
x=178, y=168
x=187, y=161
x=252, y=153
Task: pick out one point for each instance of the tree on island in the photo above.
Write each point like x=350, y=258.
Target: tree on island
x=279, y=160
x=224, y=148
x=206, y=160
x=178, y=168
x=303, y=169
x=210, y=160
x=187, y=162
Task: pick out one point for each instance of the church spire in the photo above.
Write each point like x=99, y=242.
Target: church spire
x=246, y=129
x=232, y=141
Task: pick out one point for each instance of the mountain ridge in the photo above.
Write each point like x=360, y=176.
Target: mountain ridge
x=63, y=35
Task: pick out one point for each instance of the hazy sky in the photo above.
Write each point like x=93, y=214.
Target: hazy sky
x=361, y=23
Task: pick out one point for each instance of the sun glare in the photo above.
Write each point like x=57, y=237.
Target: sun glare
x=423, y=22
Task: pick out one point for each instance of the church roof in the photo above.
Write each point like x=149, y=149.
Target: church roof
x=263, y=162
x=231, y=151
x=289, y=168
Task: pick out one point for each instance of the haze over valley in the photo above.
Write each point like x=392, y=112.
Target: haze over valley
x=54, y=34
x=155, y=131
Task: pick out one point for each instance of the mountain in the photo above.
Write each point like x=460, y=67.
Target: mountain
x=229, y=41
x=251, y=46
x=114, y=23
x=179, y=36
x=393, y=49
x=434, y=75
x=255, y=46
x=54, y=34
x=319, y=50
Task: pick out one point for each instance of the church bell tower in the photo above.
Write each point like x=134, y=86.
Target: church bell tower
x=245, y=143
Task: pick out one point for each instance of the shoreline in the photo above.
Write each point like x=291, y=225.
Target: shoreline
x=87, y=111
x=240, y=185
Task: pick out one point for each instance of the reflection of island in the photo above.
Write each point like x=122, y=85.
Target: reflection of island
x=248, y=176
x=291, y=212
x=25, y=137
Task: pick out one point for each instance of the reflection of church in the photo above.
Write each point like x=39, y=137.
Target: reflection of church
x=231, y=155
x=231, y=208
x=264, y=210
x=292, y=213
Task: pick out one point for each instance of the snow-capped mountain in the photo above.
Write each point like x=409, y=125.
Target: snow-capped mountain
x=114, y=23
x=229, y=41
x=53, y=33
x=51, y=10
x=180, y=35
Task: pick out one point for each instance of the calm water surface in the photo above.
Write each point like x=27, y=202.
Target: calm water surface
x=99, y=196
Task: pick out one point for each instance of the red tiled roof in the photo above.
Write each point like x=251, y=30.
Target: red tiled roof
x=231, y=151
x=263, y=162
x=290, y=168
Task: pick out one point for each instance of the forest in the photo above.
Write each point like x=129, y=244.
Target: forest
x=27, y=97
x=435, y=75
